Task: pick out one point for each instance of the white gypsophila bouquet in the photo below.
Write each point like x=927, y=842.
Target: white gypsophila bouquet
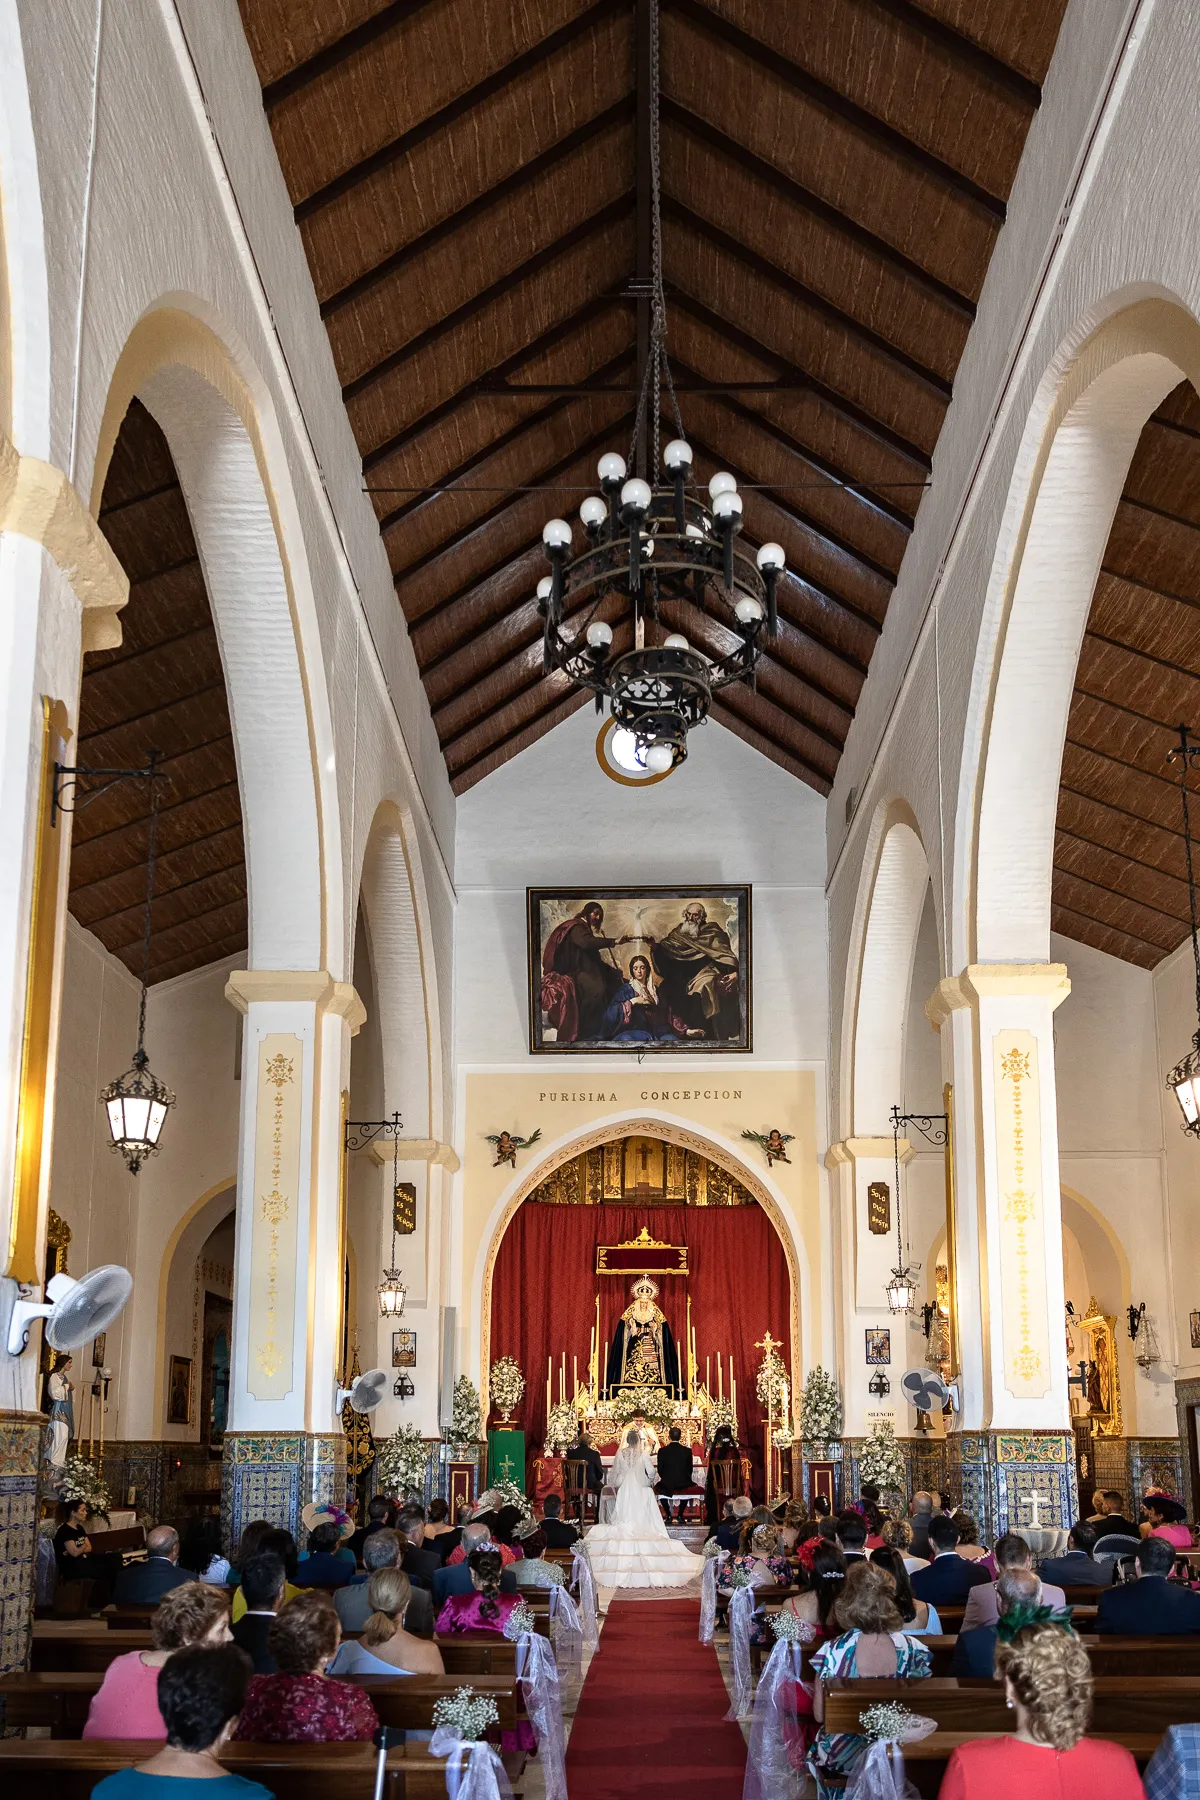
x=739, y=1578
x=886, y=1721
x=466, y=1713
x=507, y=1493
x=465, y=1421
x=820, y=1408
x=506, y=1384
x=562, y=1427
x=519, y=1621
x=720, y=1413
x=652, y=1404
x=82, y=1481
x=401, y=1462
x=789, y=1626
x=880, y=1459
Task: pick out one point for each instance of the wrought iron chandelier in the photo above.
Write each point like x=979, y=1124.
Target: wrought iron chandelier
x=655, y=540
x=1185, y=1076
x=137, y=1103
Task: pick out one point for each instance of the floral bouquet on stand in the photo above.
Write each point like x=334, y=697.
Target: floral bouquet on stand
x=562, y=1428
x=82, y=1480
x=720, y=1412
x=465, y=1420
x=507, y=1493
x=881, y=1461
x=401, y=1463
x=820, y=1412
x=506, y=1384
x=654, y=1405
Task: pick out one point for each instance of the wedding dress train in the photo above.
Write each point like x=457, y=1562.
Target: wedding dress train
x=634, y=1548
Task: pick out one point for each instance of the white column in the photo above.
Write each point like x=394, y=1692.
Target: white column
x=1008, y=1213
x=288, y=1266
x=867, y=1260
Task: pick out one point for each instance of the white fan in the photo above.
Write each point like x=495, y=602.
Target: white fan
x=927, y=1391
x=74, y=1311
x=366, y=1393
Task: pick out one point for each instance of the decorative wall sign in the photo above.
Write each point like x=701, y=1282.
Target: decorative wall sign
x=404, y=1209
x=656, y=969
x=273, y=1233
x=404, y=1349
x=1017, y=1091
x=879, y=1345
x=879, y=1208
x=179, y=1391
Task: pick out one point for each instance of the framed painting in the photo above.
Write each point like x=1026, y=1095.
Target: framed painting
x=179, y=1391
x=404, y=1349
x=1195, y=1323
x=879, y=1345
x=656, y=970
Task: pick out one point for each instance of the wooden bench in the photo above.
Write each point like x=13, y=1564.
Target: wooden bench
x=85, y=1650
x=951, y=1617
x=1122, y=1703
x=1158, y=1656
x=31, y=1769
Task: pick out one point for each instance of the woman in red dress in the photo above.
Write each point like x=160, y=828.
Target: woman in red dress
x=1048, y=1684
x=301, y=1704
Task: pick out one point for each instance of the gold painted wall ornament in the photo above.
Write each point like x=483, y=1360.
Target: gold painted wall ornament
x=1022, y=1243
x=626, y=1169
x=274, y=1229
x=1103, y=1377
x=879, y=1208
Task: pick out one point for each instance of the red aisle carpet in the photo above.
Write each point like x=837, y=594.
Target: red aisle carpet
x=651, y=1717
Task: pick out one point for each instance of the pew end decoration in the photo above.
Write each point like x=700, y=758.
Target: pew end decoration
x=880, y=1773
x=466, y=1714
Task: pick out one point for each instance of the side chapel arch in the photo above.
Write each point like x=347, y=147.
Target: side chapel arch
x=879, y=982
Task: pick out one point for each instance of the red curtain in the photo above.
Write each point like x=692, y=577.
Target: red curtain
x=544, y=1293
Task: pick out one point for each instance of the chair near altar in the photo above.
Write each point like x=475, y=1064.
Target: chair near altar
x=577, y=1494
x=727, y=1481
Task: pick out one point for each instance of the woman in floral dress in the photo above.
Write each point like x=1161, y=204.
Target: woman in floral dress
x=760, y=1560
x=872, y=1645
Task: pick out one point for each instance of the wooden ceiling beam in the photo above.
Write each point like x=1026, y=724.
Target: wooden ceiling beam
x=1121, y=763
x=120, y=506
x=171, y=568
x=768, y=746
x=538, y=346
x=966, y=51
x=1059, y=911
x=506, y=501
x=804, y=200
x=1103, y=887
x=1130, y=712
x=184, y=964
x=526, y=681
x=138, y=823
x=340, y=51
x=1149, y=587
x=1064, y=787
x=818, y=93
x=463, y=594
x=837, y=403
x=803, y=296
x=533, y=265
x=152, y=649
x=457, y=108
x=474, y=209
x=153, y=712
x=1106, y=924
x=531, y=422
x=1159, y=512
x=162, y=862
x=136, y=910
x=552, y=704
x=1125, y=855
x=1160, y=662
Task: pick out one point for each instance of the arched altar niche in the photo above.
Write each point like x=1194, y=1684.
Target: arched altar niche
x=540, y=1281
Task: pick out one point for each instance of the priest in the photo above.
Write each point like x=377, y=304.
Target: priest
x=643, y=1352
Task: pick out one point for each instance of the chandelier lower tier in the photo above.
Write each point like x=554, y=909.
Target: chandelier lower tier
x=647, y=547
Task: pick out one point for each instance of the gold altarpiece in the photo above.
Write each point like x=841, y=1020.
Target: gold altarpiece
x=641, y=1171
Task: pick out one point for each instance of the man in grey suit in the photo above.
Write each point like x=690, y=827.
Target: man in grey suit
x=1078, y=1568
x=382, y=1550
x=456, y=1578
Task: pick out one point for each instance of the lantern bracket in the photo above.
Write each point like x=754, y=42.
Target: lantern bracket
x=77, y=785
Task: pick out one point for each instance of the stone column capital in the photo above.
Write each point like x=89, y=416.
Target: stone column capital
x=989, y=981
x=247, y=987
x=864, y=1149
x=414, y=1149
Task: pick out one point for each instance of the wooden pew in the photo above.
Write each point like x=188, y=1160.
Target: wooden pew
x=31, y=1769
x=951, y=1617
x=93, y=1648
x=478, y=1653
x=1122, y=1703
x=1158, y=1656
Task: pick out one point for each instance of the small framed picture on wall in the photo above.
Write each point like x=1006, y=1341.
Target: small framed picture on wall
x=879, y=1345
x=179, y=1391
x=1195, y=1319
x=404, y=1349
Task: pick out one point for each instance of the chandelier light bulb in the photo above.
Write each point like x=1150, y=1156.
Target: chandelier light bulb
x=676, y=641
x=693, y=531
x=611, y=467
x=771, y=556
x=677, y=455
x=625, y=751
x=727, y=504
x=722, y=483
x=660, y=758
x=556, y=534
x=544, y=587
x=748, y=611
x=647, y=545
x=636, y=495
x=593, y=511
x=599, y=635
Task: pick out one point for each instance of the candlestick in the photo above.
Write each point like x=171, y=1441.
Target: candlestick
x=562, y=1378
x=574, y=1376
x=708, y=1376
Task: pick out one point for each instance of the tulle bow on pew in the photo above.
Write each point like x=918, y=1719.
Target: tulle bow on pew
x=583, y=1579
x=775, y=1768
x=473, y=1769
x=742, y=1602
x=708, y=1596
x=880, y=1775
x=566, y=1633
x=537, y=1673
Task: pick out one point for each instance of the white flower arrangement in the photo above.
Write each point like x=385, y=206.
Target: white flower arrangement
x=739, y=1578
x=506, y=1384
x=562, y=1428
x=465, y=1422
x=880, y=1460
x=820, y=1408
x=507, y=1493
x=519, y=1621
x=771, y=1378
x=887, y=1721
x=788, y=1627
x=466, y=1713
x=719, y=1413
x=652, y=1404
x=82, y=1481
x=401, y=1463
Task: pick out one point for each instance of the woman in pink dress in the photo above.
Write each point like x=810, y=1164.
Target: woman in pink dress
x=125, y=1705
x=486, y=1609
x=1166, y=1518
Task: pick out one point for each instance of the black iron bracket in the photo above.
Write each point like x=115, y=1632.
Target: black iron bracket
x=361, y=1132
x=71, y=795
x=933, y=1127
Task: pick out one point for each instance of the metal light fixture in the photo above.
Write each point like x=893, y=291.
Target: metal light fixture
x=650, y=541
x=1185, y=1076
x=404, y=1388
x=137, y=1103
x=901, y=1290
x=392, y=1291
x=879, y=1385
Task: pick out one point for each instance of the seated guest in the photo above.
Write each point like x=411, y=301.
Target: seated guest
x=821, y=1507
x=948, y=1579
x=852, y=1533
x=455, y=1579
x=379, y=1518
x=533, y=1571
x=300, y=1704
x=584, y=1451
x=1165, y=1518
x=916, y=1615
x=1151, y=1606
x=282, y=1544
x=560, y=1533
x=824, y=1580
x=249, y=1544
x=1016, y=1589
x=264, y=1582
x=484, y=1607
x=1078, y=1567
x=382, y=1550
x=437, y=1524
x=794, y=1516
x=968, y=1546
x=1115, y=1521
x=920, y=1513
x=875, y=1523
x=1173, y=1772
x=419, y=1564
x=145, y=1583
x=201, y=1691
x=504, y=1532
x=872, y=1644
x=729, y=1531
x=759, y=1558
x=1048, y=1683
x=485, y=1522
x=325, y=1566
x=1099, y=1508
x=74, y=1556
x=385, y=1647
x=201, y=1550
x=1011, y=1552
x=897, y=1534
x=530, y=1536
x=125, y=1705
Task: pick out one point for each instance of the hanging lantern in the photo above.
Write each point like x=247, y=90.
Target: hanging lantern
x=392, y=1291
x=901, y=1290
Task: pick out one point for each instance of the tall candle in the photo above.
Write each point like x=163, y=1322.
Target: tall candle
x=708, y=1376
x=575, y=1376
x=720, y=1377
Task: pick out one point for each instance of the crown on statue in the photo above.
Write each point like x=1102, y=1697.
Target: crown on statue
x=644, y=1289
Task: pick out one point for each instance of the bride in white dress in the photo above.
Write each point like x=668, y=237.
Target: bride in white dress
x=634, y=1548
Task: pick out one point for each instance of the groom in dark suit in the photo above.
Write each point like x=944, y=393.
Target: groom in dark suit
x=674, y=1469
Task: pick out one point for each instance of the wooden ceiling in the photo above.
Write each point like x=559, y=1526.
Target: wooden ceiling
x=162, y=689
x=1120, y=875
x=471, y=182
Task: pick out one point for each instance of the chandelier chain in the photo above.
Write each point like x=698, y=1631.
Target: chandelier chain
x=151, y=853
x=658, y=367
x=1185, y=753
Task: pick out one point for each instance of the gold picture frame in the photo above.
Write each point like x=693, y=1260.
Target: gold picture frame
x=1103, y=1379
x=179, y=1391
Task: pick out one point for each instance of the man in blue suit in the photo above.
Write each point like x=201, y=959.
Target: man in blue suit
x=145, y=1583
x=457, y=1579
x=1151, y=1606
x=1078, y=1568
x=950, y=1577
